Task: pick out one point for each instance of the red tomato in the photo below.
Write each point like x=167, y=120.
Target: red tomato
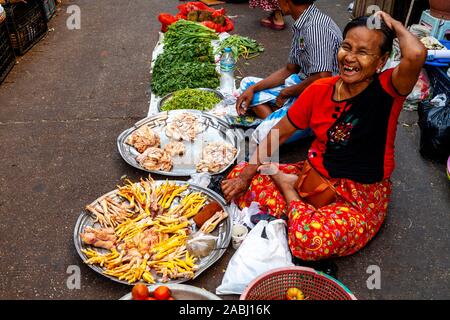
x=150, y=298
x=162, y=293
x=140, y=292
x=171, y=298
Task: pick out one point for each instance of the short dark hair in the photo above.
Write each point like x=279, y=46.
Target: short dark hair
x=303, y=1
x=388, y=34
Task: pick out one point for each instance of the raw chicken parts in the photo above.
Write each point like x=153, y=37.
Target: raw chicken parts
x=144, y=138
x=183, y=126
x=216, y=156
x=155, y=159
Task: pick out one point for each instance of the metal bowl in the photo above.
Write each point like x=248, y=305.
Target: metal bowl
x=182, y=292
x=169, y=96
x=222, y=231
x=216, y=129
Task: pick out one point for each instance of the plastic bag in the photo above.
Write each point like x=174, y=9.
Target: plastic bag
x=257, y=255
x=201, y=244
x=434, y=123
x=244, y=216
x=420, y=92
x=201, y=179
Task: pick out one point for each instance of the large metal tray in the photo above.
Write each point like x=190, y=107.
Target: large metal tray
x=222, y=231
x=216, y=129
x=169, y=96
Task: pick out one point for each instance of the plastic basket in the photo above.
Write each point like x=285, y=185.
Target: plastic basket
x=49, y=7
x=7, y=57
x=26, y=24
x=315, y=285
x=439, y=80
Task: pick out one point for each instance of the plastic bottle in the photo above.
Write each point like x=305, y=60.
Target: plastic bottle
x=227, y=67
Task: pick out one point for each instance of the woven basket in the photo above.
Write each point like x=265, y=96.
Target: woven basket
x=315, y=285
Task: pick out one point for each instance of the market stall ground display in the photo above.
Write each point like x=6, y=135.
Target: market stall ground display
x=142, y=232
x=7, y=57
x=26, y=24
x=149, y=144
x=187, y=60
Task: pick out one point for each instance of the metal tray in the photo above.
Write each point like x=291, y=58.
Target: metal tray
x=215, y=130
x=169, y=96
x=222, y=231
x=182, y=292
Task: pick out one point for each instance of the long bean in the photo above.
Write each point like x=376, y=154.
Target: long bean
x=241, y=47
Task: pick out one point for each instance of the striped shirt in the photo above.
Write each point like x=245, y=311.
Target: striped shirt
x=315, y=43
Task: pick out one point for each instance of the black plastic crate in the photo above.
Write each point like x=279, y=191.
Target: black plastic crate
x=26, y=25
x=7, y=57
x=49, y=7
x=439, y=80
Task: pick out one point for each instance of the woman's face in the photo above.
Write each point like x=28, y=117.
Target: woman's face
x=360, y=55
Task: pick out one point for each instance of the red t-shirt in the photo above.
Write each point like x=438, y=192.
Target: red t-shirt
x=355, y=137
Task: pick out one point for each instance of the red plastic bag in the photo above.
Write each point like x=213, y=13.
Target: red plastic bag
x=166, y=20
x=190, y=6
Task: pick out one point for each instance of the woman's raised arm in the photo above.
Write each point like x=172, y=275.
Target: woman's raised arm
x=414, y=55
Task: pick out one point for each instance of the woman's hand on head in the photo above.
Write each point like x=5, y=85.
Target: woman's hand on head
x=388, y=20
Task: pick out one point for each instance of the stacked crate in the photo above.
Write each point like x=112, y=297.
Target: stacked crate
x=26, y=24
x=7, y=57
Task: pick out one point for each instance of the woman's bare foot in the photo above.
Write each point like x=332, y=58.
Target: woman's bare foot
x=284, y=181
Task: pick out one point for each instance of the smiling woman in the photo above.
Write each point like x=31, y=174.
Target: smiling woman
x=337, y=199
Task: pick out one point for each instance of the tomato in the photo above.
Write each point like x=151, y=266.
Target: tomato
x=294, y=294
x=162, y=293
x=150, y=298
x=171, y=298
x=140, y=292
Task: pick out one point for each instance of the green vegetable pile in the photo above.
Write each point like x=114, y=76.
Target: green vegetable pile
x=184, y=31
x=187, y=60
x=191, y=99
x=241, y=47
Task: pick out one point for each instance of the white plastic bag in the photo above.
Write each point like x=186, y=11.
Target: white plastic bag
x=257, y=255
x=201, y=244
x=243, y=216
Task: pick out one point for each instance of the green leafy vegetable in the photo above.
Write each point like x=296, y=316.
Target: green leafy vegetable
x=184, y=31
x=191, y=99
x=241, y=47
x=185, y=75
x=187, y=60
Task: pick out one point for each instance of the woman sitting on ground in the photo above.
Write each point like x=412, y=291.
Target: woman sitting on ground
x=341, y=201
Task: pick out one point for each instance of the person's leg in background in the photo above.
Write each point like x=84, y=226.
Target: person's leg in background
x=275, y=20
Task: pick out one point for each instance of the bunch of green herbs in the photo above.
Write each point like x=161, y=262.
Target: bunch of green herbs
x=184, y=31
x=185, y=75
x=191, y=99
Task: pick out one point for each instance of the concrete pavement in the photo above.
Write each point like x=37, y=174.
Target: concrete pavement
x=62, y=108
